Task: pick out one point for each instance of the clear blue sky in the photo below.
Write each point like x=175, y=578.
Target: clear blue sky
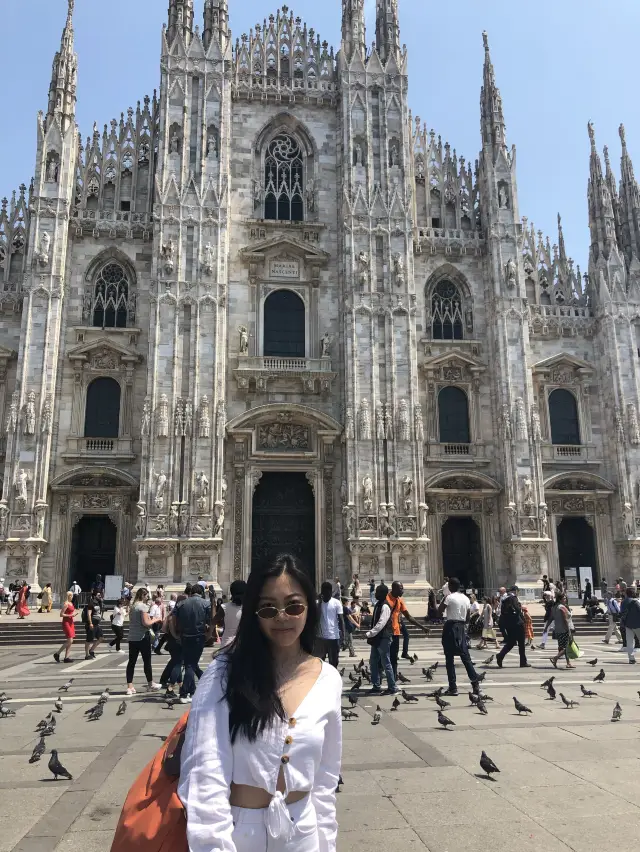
x=559, y=63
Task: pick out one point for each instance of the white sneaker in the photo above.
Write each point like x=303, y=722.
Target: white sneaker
x=185, y=699
x=130, y=691
x=121, y=651
x=153, y=687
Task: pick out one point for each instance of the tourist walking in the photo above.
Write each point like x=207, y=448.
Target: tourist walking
x=76, y=591
x=92, y=618
x=331, y=625
x=22, y=604
x=236, y=787
x=372, y=591
x=456, y=609
x=67, y=614
x=511, y=624
x=563, y=628
x=46, y=599
x=12, y=598
x=630, y=611
x=488, y=630
x=232, y=612
x=172, y=674
x=548, y=601
x=117, y=625
x=613, y=618
x=140, y=626
x=399, y=608
x=351, y=624
x=355, y=588
x=193, y=618
x=379, y=637
x=587, y=594
x=433, y=615
x=528, y=629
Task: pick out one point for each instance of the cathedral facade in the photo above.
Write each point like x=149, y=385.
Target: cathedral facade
x=269, y=310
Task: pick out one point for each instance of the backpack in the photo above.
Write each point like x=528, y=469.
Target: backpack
x=511, y=611
x=153, y=817
x=85, y=614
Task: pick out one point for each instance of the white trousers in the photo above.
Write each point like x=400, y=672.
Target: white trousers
x=613, y=629
x=632, y=633
x=250, y=833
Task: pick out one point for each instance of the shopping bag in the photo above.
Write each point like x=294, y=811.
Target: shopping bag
x=573, y=652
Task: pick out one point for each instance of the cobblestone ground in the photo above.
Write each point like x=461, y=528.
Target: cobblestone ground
x=566, y=774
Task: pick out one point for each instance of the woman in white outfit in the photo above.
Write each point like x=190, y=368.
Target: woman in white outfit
x=261, y=758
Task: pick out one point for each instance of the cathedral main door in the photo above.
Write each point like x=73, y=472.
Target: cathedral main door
x=462, y=552
x=93, y=550
x=284, y=520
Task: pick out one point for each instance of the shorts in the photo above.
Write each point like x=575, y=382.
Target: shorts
x=94, y=632
x=250, y=829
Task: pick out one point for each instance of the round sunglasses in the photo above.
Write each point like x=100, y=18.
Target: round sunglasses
x=292, y=610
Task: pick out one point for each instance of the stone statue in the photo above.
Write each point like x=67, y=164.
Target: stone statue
x=358, y=157
x=162, y=428
x=387, y=515
x=224, y=486
x=47, y=417
x=202, y=484
x=419, y=423
x=208, y=259
x=617, y=419
x=30, y=414
x=258, y=193
x=399, y=271
x=503, y=197
x=204, y=419
x=188, y=417
x=407, y=494
x=349, y=425
x=367, y=492
x=167, y=255
x=20, y=486
x=420, y=168
x=404, y=427
x=161, y=484
x=145, y=425
x=141, y=520
x=325, y=344
x=4, y=520
x=380, y=426
x=543, y=515
x=634, y=430
x=512, y=518
x=535, y=424
x=222, y=419
x=174, y=519
x=507, y=432
x=183, y=519
x=310, y=195
x=510, y=271
x=388, y=422
x=364, y=266
x=42, y=253
x=219, y=527
x=244, y=340
x=394, y=154
x=521, y=420
x=527, y=491
x=349, y=513
x=40, y=513
x=344, y=492
x=52, y=170
x=12, y=419
x=175, y=142
x=423, y=513
x=365, y=420
x=628, y=519
x=178, y=419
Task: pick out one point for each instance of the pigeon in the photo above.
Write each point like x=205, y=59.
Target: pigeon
x=38, y=751
x=67, y=686
x=403, y=678
x=105, y=696
x=548, y=683
x=347, y=714
x=170, y=703
x=434, y=667
x=366, y=675
x=353, y=677
x=414, y=658
x=340, y=784
x=58, y=705
x=395, y=704
x=599, y=677
x=481, y=677
x=592, y=662
x=353, y=699
x=377, y=716
x=444, y=720
x=44, y=723
x=488, y=662
x=473, y=698
x=435, y=692
x=442, y=704
x=4, y=697
x=96, y=713
x=551, y=691
x=412, y=661
x=56, y=768
x=568, y=703
x=47, y=732
x=356, y=686
x=6, y=712
x=521, y=708
x=93, y=709
x=485, y=697
x=410, y=699
x=617, y=713
x=341, y=672
x=122, y=709
x=487, y=765
x=362, y=663
x=428, y=674
x=482, y=707
x=587, y=692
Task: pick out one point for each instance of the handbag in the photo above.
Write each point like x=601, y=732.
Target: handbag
x=573, y=651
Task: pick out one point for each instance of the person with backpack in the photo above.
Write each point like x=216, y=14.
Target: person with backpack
x=630, y=612
x=91, y=618
x=613, y=618
x=379, y=637
x=513, y=628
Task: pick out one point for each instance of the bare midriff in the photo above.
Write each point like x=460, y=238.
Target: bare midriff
x=255, y=798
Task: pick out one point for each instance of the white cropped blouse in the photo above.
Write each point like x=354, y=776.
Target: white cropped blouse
x=308, y=747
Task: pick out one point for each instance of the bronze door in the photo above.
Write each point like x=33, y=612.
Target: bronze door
x=284, y=520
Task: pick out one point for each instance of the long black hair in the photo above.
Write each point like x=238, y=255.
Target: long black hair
x=251, y=688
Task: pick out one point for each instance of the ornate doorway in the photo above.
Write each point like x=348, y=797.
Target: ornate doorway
x=462, y=552
x=284, y=520
x=577, y=545
x=93, y=550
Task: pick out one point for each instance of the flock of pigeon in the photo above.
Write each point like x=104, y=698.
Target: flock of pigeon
x=47, y=727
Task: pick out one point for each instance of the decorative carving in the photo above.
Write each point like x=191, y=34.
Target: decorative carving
x=4, y=519
x=459, y=504
x=404, y=427
x=244, y=339
x=145, y=424
x=574, y=504
x=527, y=494
x=388, y=422
x=202, y=490
x=406, y=524
x=188, y=417
x=506, y=432
x=222, y=419
x=380, y=422
x=178, y=419
x=344, y=492
x=349, y=514
x=155, y=566
x=399, y=270
x=386, y=527
x=619, y=424
x=20, y=485
x=628, y=519
x=543, y=516
x=423, y=514
x=162, y=426
x=204, y=419
x=364, y=270
x=283, y=436
x=367, y=493
x=167, y=250
x=407, y=493
x=256, y=476
x=349, y=426
x=12, y=419
x=458, y=483
x=30, y=414
x=365, y=420
x=632, y=418
x=42, y=251
x=368, y=523
x=310, y=195
x=174, y=519
x=160, y=480
x=224, y=487
x=521, y=420
x=329, y=569
x=510, y=273
x=512, y=519
x=219, y=525
x=325, y=346
x=535, y=424
x=208, y=259
x=419, y=423
x=310, y=476
x=141, y=520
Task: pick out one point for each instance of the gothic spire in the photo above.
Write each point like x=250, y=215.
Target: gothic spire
x=354, y=36
x=180, y=20
x=387, y=29
x=216, y=22
x=64, y=75
x=493, y=125
x=629, y=203
x=601, y=213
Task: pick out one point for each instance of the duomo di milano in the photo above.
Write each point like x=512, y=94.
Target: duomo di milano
x=268, y=310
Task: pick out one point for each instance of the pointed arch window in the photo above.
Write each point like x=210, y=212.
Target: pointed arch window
x=446, y=312
x=113, y=304
x=283, y=180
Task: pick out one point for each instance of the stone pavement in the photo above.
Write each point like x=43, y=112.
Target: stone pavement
x=566, y=775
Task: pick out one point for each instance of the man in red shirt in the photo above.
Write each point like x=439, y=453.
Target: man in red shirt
x=398, y=608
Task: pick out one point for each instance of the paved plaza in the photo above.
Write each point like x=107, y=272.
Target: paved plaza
x=567, y=776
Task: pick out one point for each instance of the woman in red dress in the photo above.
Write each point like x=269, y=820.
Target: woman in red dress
x=67, y=614
x=23, y=608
